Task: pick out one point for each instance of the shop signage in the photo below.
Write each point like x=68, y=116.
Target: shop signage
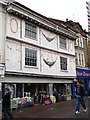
x=82, y=73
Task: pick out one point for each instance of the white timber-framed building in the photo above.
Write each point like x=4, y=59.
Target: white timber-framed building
x=38, y=55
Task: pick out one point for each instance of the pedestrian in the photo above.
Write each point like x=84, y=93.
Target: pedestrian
x=6, y=106
x=80, y=93
x=56, y=95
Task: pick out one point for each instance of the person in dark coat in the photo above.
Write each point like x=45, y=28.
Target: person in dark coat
x=56, y=95
x=80, y=93
x=6, y=106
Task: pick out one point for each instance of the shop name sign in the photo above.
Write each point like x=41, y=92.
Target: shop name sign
x=82, y=73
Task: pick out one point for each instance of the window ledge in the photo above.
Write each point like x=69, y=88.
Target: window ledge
x=63, y=48
x=30, y=67
x=64, y=70
x=30, y=37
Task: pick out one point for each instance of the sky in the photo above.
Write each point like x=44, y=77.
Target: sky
x=74, y=10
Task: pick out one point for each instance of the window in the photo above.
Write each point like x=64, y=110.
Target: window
x=79, y=59
x=78, y=41
x=76, y=58
x=30, y=30
x=30, y=57
x=83, y=60
x=63, y=62
x=71, y=46
x=62, y=42
x=75, y=42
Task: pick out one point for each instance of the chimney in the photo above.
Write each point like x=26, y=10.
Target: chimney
x=66, y=19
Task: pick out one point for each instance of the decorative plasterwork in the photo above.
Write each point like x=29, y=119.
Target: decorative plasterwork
x=48, y=38
x=14, y=25
x=49, y=63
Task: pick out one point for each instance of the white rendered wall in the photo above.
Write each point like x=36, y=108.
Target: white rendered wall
x=13, y=57
x=13, y=27
x=15, y=51
x=2, y=34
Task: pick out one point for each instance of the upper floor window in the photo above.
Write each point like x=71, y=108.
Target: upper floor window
x=83, y=60
x=79, y=59
x=76, y=58
x=30, y=30
x=30, y=57
x=63, y=63
x=75, y=42
x=62, y=42
x=79, y=42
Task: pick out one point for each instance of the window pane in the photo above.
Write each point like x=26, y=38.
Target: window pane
x=30, y=30
x=76, y=58
x=30, y=57
x=62, y=42
x=63, y=63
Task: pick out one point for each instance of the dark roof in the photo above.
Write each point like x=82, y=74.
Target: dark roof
x=58, y=22
x=75, y=26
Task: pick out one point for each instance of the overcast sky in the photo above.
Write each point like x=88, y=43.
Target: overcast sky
x=60, y=9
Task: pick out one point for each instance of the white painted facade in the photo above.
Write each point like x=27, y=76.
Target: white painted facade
x=15, y=51
x=2, y=37
x=14, y=43
x=2, y=41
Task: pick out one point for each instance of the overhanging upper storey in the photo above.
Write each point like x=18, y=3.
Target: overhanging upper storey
x=26, y=13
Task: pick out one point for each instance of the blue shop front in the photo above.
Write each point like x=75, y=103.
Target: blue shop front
x=84, y=76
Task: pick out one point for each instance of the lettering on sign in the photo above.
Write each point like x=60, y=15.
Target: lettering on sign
x=82, y=73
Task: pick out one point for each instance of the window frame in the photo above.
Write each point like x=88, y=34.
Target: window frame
x=28, y=57
x=80, y=61
x=62, y=42
x=62, y=63
x=30, y=30
x=76, y=58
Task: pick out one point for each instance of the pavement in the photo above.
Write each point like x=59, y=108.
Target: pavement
x=63, y=109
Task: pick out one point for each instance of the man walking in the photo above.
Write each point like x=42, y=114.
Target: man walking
x=6, y=106
x=80, y=93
